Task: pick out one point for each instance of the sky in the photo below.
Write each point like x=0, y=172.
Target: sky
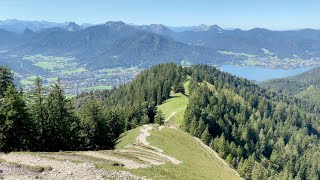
x=244, y=14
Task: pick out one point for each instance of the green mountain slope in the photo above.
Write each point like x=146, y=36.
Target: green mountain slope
x=197, y=161
x=174, y=108
x=253, y=129
x=311, y=94
x=304, y=85
x=259, y=133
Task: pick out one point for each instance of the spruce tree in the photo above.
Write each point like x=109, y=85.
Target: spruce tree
x=60, y=120
x=6, y=79
x=16, y=128
x=38, y=111
x=205, y=136
x=95, y=132
x=159, y=118
x=115, y=125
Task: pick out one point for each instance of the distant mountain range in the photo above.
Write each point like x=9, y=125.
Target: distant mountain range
x=19, y=26
x=113, y=44
x=116, y=44
x=304, y=43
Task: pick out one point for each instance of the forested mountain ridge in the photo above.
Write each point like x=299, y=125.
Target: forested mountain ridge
x=235, y=116
x=305, y=86
x=254, y=130
x=295, y=84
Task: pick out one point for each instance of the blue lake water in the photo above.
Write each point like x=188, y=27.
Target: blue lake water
x=261, y=74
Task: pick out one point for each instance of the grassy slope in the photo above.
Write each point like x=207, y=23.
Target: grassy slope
x=198, y=163
x=175, y=107
x=127, y=138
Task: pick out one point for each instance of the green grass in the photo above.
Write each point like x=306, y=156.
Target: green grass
x=114, y=70
x=186, y=87
x=2, y=160
x=197, y=162
x=73, y=71
x=51, y=62
x=177, y=104
x=28, y=81
x=52, y=79
x=237, y=54
x=70, y=96
x=37, y=169
x=128, y=138
x=49, y=65
x=97, y=88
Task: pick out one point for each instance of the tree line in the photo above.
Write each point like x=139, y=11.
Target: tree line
x=45, y=120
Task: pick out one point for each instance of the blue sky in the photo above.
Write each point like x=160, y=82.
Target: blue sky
x=245, y=14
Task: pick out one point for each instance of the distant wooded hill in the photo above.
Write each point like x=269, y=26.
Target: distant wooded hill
x=305, y=85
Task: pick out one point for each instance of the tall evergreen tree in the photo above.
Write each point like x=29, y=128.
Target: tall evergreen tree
x=94, y=133
x=159, y=118
x=60, y=120
x=15, y=125
x=6, y=79
x=38, y=111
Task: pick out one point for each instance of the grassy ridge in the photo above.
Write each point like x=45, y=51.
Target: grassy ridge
x=174, y=108
x=197, y=164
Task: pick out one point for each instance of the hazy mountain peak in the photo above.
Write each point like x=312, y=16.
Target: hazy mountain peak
x=115, y=23
x=28, y=31
x=156, y=28
x=201, y=27
x=257, y=29
x=215, y=28
x=72, y=26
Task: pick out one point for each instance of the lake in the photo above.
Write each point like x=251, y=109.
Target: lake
x=260, y=74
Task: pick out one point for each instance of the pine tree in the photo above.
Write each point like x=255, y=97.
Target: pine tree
x=200, y=129
x=178, y=88
x=6, y=79
x=38, y=111
x=60, y=120
x=159, y=118
x=145, y=119
x=91, y=125
x=193, y=126
x=205, y=136
x=115, y=125
x=16, y=128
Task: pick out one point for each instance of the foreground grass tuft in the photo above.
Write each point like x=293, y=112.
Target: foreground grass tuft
x=37, y=169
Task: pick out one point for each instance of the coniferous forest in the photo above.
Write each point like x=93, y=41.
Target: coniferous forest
x=260, y=133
